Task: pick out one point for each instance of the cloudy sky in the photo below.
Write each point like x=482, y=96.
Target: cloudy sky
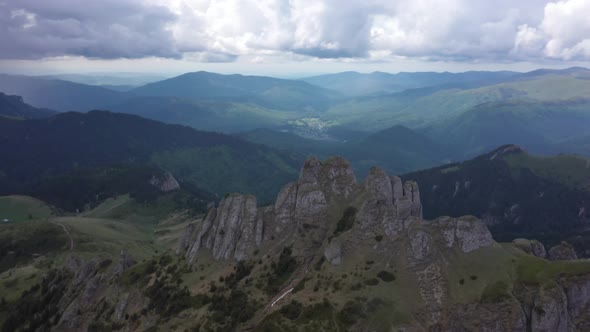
x=290, y=37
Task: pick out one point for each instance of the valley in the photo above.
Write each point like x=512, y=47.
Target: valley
x=294, y=166
x=457, y=202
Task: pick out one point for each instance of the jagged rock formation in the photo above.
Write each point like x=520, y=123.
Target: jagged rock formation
x=363, y=248
x=237, y=228
x=515, y=193
x=531, y=247
x=229, y=231
x=327, y=212
x=562, y=252
x=165, y=183
x=84, y=283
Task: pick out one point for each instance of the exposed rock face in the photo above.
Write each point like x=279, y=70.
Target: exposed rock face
x=333, y=253
x=166, y=183
x=338, y=177
x=426, y=260
x=467, y=233
x=496, y=317
x=550, y=311
x=237, y=227
x=284, y=208
x=125, y=262
x=577, y=292
x=531, y=247
x=389, y=202
x=229, y=231
x=420, y=246
x=562, y=252
x=372, y=230
x=121, y=306
x=384, y=213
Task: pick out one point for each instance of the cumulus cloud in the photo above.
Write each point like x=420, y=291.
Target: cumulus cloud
x=224, y=30
x=566, y=28
x=31, y=29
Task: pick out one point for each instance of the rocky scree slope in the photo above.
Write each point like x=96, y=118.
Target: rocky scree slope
x=447, y=274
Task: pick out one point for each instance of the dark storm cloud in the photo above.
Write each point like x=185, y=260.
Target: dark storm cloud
x=32, y=29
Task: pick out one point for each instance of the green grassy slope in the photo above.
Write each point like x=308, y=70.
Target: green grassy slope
x=120, y=223
x=23, y=208
x=571, y=170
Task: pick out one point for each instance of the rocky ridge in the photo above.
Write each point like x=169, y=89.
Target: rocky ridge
x=331, y=254
x=327, y=215
x=237, y=227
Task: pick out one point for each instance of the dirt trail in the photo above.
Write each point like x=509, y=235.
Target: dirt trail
x=67, y=233
x=295, y=279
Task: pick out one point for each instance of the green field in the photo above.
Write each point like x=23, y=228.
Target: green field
x=23, y=208
x=571, y=170
x=106, y=236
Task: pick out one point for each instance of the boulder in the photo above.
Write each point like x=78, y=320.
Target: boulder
x=531, y=247
x=562, y=252
x=333, y=253
x=468, y=233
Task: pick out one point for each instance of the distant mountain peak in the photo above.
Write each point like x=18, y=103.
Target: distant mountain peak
x=577, y=68
x=15, y=107
x=506, y=150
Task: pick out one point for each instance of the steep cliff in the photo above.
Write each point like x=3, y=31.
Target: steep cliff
x=237, y=228
x=331, y=254
x=447, y=274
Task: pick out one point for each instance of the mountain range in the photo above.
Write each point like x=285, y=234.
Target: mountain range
x=118, y=222
x=14, y=107
x=397, y=149
x=376, y=83
x=466, y=113
x=517, y=194
x=40, y=149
